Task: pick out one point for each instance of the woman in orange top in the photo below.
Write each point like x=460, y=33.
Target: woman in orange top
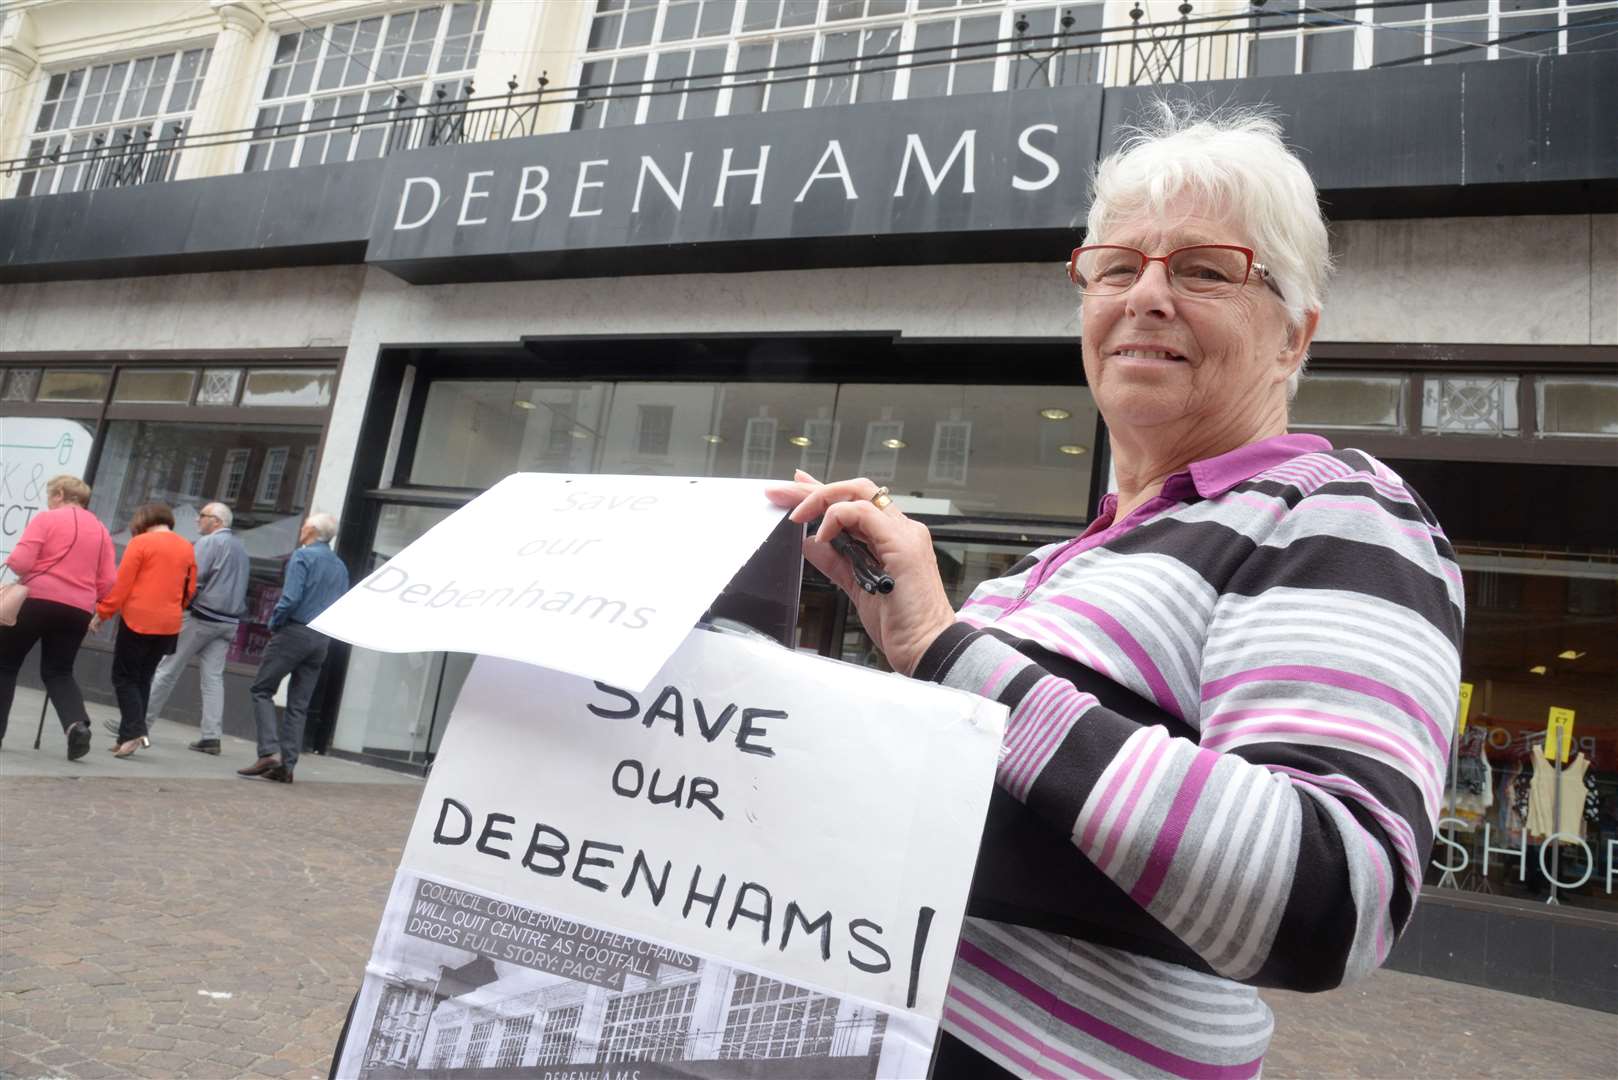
x=156, y=581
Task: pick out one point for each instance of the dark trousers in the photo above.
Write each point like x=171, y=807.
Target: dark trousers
x=59, y=629
x=135, y=657
x=298, y=652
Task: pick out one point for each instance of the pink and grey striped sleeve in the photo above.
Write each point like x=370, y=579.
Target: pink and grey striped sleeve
x=1284, y=842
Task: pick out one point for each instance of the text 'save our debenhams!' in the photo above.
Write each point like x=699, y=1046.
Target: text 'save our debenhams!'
x=714, y=896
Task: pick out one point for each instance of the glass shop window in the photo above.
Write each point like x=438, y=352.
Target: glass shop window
x=257, y=470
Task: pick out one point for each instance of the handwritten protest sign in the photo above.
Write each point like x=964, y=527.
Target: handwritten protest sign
x=600, y=576
x=757, y=867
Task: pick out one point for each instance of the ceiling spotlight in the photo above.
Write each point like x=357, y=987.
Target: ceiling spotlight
x=524, y=404
x=1537, y=669
x=800, y=440
x=1570, y=654
x=1073, y=448
x=712, y=439
x=894, y=444
x=1055, y=414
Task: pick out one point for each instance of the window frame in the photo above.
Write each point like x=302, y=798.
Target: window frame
x=309, y=129
x=61, y=137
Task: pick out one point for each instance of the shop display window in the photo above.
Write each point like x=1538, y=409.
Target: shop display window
x=954, y=450
x=188, y=465
x=1541, y=633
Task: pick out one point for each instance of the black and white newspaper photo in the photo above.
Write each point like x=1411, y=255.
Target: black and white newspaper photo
x=466, y=984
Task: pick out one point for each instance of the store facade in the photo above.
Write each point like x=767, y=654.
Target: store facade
x=877, y=290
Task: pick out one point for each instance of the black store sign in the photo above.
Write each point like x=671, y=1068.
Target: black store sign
x=907, y=178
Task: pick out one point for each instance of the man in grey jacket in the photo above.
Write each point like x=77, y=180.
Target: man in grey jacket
x=210, y=626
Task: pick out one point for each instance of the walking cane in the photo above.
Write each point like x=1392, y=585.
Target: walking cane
x=44, y=704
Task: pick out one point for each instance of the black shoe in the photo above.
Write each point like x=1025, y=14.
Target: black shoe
x=280, y=774
x=204, y=746
x=78, y=741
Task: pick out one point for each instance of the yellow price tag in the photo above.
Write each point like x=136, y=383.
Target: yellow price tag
x=1466, y=707
x=1559, y=734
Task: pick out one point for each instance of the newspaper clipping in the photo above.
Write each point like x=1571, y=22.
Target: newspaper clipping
x=465, y=980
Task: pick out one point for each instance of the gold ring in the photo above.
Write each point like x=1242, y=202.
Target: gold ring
x=881, y=498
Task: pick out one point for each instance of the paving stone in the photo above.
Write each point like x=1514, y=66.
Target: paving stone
x=102, y=956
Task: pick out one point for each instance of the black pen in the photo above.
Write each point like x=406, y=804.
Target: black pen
x=868, y=572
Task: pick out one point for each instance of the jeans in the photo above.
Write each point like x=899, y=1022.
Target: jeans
x=59, y=629
x=135, y=657
x=297, y=651
x=209, y=641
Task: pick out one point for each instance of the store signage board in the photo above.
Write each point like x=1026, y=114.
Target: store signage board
x=599, y=576
x=981, y=163
x=756, y=826
x=32, y=450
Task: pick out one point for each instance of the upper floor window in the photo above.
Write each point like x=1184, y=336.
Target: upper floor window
x=115, y=123
x=654, y=60
x=385, y=73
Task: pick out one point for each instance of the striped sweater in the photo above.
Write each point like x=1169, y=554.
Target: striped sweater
x=1300, y=611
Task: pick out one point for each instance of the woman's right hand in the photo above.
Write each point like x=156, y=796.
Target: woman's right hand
x=906, y=621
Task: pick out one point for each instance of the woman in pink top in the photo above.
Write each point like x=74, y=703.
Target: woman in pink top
x=65, y=558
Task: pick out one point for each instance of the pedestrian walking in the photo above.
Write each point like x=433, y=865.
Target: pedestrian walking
x=315, y=578
x=156, y=580
x=65, y=559
x=209, y=626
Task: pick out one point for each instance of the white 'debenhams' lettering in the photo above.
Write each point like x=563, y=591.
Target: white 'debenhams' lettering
x=595, y=189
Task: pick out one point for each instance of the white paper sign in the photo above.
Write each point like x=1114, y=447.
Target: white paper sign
x=32, y=450
x=756, y=827
x=600, y=576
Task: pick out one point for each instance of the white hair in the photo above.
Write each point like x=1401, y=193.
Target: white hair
x=220, y=511
x=325, y=525
x=1231, y=159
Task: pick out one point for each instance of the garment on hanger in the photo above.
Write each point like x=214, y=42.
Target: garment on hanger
x=1542, y=804
x=1472, y=792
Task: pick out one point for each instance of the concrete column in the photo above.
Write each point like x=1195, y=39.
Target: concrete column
x=19, y=63
x=229, y=90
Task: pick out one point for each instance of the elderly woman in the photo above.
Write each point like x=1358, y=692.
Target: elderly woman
x=1234, y=693
x=65, y=558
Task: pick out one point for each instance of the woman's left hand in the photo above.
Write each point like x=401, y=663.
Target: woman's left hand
x=905, y=622
x=95, y=623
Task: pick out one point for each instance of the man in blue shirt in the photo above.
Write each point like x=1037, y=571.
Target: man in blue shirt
x=315, y=578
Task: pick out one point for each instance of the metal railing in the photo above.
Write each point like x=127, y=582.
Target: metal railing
x=1183, y=50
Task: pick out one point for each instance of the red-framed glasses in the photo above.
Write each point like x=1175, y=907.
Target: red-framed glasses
x=1201, y=271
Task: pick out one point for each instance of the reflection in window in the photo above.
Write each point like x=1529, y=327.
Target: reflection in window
x=70, y=385
x=233, y=475
x=654, y=430
x=884, y=438
x=983, y=450
x=1350, y=402
x=952, y=445
x=180, y=464
x=1582, y=406
x=154, y=386
x=294, y=387
x=758, y=452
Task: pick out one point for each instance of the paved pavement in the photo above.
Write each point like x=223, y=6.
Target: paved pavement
x=160, y=917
